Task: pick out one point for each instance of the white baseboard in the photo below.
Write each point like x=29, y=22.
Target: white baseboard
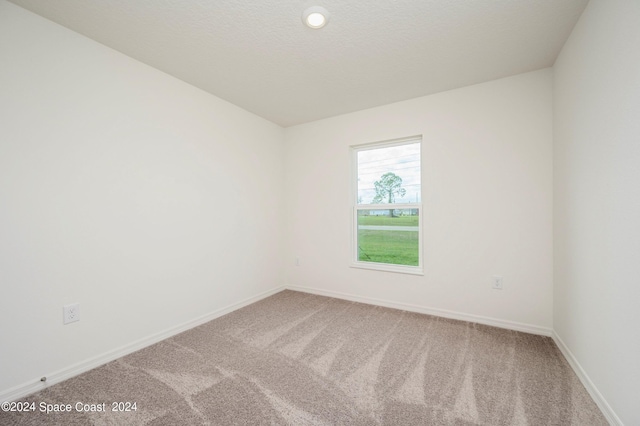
x=23, y=390
x=597, y=397
x=36, y=385
x=510, y=325
x=606, y=409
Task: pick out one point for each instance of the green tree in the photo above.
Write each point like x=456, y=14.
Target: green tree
x=389, y=185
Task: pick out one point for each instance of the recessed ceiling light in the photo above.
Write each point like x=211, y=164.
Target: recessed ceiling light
x=315, y=17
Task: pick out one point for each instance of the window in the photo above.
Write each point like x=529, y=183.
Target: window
x=387, y=221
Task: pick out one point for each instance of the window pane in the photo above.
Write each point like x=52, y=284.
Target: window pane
x=389, y=174
x=388, y=236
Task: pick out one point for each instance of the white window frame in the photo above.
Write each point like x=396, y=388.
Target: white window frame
x=387, y=267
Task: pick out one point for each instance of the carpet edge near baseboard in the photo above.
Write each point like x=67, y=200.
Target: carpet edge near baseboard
x=35, y=385
x=495, y=322
x=591, y=388
x=602, y=404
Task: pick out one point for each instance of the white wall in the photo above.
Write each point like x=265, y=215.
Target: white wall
x=147, y=201
x=487, y=191
x=597, y=200
x=135, y=194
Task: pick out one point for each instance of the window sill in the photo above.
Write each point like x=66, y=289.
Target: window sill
x=387, y=267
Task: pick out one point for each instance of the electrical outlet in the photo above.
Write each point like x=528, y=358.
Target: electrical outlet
x=497, y=282
x=71, y=313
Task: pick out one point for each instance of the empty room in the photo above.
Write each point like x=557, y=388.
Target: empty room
x=415, y=212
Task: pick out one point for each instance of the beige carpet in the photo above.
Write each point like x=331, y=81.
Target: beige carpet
x=301, y=359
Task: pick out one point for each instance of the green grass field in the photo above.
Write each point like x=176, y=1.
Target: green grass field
x=384, y=246
x=395, y=247
x=388, y=221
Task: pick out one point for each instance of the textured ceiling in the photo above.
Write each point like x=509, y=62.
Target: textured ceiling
x=259, y=55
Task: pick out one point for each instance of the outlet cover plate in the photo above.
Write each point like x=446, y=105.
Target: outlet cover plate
x=71, y=313
x=497, y=282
